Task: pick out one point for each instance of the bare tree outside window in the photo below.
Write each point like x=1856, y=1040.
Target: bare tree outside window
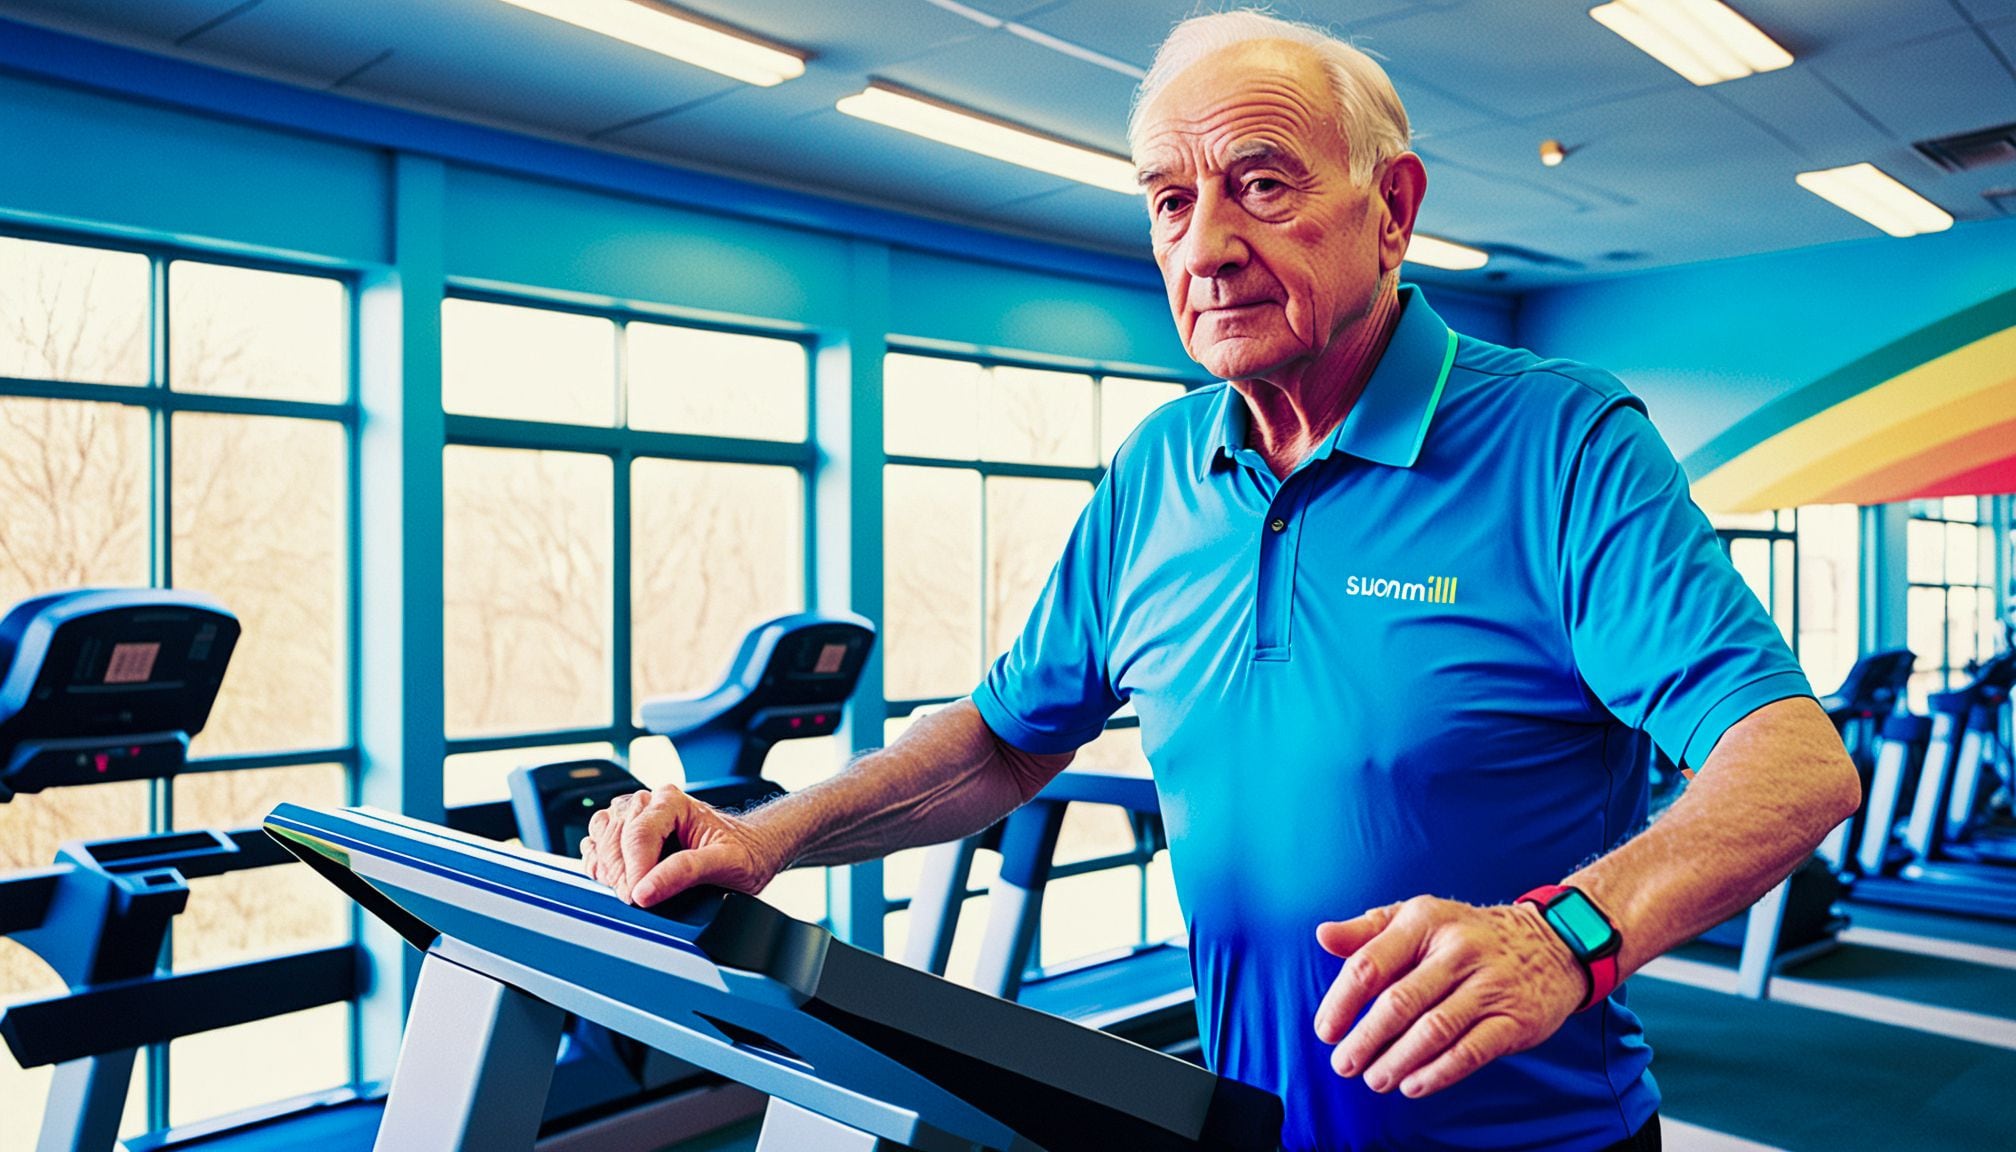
x=530, y=551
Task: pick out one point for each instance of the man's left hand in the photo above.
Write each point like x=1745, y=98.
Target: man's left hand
x=1452, y=988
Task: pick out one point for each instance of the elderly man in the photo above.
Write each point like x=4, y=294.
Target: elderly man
x=1398, y=609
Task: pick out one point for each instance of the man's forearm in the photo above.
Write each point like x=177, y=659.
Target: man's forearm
x=1776, y=783
x=946, y=777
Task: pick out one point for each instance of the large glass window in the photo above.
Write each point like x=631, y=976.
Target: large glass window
x=989, y=466
x=1830, y=592
x=1804, y=565
x=624, y=498
x=1951, y=610
x=219, y=460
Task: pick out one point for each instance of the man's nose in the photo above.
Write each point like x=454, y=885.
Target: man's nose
x=1212, y=245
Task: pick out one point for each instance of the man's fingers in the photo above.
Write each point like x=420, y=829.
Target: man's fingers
x=1371, y=969
x=1402, y=1009
x=1428, y=1034
x=1343, y=937
x=713, y=864
x=649, y=826
x=1488, y=1039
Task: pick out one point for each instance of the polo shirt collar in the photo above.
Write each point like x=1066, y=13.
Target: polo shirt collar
x=1389, y=423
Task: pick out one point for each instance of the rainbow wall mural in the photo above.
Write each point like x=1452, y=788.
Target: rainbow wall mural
x=1931, y=414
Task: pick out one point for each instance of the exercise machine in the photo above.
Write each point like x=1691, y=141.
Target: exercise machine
x=1144, y=993
x=1920, y=869
x=1868, y=695
x=111, y=685
x=858, y=1053
x=790, y=679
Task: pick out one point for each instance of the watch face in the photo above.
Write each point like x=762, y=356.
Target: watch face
x=1579, y=919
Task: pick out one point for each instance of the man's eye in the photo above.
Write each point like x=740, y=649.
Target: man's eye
x=1264, y=186
x=1167, y=204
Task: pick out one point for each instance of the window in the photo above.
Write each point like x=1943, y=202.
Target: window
x=1763, y=548
x=1950, y=609
x=1830, y=586
x=1804, y=565
x=165, y=415
x=989, y=467
x=624, y=498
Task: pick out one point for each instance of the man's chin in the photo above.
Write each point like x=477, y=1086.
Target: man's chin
x=1239, y=359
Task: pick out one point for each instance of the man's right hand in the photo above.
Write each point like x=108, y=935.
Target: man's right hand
x=626, y=843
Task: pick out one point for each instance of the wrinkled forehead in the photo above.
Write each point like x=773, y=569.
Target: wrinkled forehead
x=1262, y=96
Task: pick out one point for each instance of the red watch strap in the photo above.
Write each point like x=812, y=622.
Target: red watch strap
x=1600, y=974
x=1602, y=981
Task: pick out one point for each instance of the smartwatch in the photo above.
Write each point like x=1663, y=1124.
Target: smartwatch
x=1588, y=934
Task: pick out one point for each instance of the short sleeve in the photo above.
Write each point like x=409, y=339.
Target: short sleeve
x=1664, y=630
x=1049, y=692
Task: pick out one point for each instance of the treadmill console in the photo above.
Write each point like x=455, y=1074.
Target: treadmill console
x=106, y=685
x=554, y=802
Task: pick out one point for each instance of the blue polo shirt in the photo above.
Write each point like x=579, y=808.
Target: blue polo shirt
x=1424, y=663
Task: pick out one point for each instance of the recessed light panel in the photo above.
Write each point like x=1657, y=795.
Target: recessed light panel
x=668, y=33
x=1703, y=40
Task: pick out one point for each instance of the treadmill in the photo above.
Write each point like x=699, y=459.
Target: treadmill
x=109, y=685
x=1927, y=873
x=858, y=1053
x=1144, y=993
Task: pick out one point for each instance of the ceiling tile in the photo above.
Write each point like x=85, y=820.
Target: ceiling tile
x=514, y=66
x=848, y=36
x=2004, y=37
x=1930, y=87
x=1985, y=11
x=1009, y=77
x=1482, y=51
x=123, y=20
x=828, y=149
x=1131, y=30
x=1081, y=215
x=1822, y=128
x=1813, y=30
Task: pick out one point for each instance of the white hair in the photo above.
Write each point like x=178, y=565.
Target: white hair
x=1369, y=114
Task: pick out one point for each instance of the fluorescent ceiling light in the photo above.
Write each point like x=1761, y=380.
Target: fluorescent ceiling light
x=1703, y=40
x=677, y=35
x=1435, y=253
x=999, y=139
x=1871, y=193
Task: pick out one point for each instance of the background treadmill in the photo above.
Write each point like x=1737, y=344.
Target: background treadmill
x=1144, y=994
x=1921, y=873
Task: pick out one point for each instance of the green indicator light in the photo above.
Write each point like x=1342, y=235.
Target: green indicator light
x=587, y=802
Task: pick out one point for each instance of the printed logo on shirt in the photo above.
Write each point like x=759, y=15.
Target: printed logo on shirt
x=1433, y=590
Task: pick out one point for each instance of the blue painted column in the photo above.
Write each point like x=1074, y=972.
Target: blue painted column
x=1885, y=588
x=847, y=531
x=400, y=675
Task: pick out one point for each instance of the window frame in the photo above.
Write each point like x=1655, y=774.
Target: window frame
x=1987, y=521
x=623, y=446
x=1146, y=846
x=161, y=403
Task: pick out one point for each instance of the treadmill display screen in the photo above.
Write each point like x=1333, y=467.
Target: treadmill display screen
x=831, y=657
x=131, y=663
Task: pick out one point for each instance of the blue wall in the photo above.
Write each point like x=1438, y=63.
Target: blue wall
x=1707, y=344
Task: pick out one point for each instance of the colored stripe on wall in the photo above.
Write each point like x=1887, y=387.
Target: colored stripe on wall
x=1942, y=422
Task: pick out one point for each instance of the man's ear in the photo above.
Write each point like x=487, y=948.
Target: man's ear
x=1401, y=188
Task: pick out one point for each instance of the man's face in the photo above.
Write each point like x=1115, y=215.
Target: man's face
x=1266, y=247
